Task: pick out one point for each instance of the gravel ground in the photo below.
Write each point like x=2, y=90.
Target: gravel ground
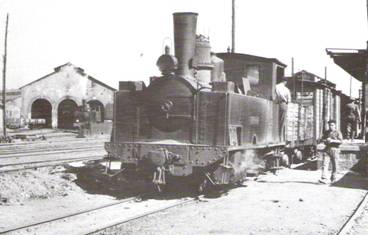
x=290, y=203
x=360, y=224
x=35, y=195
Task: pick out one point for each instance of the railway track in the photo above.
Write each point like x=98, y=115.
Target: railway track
x=40, y=164
x=47, y=143
x=37, y=152
x=14, y=158
x=47, y=163
x=107, y=218
x=346, y=228
x=47, y=150
x=50, y=158
x=98, y=219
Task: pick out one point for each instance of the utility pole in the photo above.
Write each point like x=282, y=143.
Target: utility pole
x=364, y=93
x=293, y=77
x=350, y=85
x=364, y=84
x=4, y=74
x=325, y=101
x=233, y=27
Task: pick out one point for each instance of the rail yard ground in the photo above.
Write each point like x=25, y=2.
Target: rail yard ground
x=290, y=202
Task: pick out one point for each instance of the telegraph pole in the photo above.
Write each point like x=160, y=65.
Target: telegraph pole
x=293, y=77
x=4, y=74
x=364, y=83
x=325, y=102
x=233, y=27
x=364, y=93
x=350, y=85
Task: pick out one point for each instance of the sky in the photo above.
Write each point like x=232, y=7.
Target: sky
x=116, y=40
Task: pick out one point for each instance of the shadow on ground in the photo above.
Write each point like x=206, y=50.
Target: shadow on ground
x=352, y=180
x=288, y=182
x=92, y=178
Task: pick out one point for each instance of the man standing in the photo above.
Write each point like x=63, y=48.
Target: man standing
x=332, y=138
x=351, y=120
x=283, y=98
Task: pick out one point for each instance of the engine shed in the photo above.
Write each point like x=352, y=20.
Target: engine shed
x=55, y=97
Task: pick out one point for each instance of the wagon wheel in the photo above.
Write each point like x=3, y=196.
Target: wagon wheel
x=157, y=188
x=202, y=186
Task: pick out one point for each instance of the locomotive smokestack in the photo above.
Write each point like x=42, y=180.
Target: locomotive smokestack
x=185, y=24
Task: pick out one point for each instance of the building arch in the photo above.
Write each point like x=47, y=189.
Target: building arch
x=97, y=110
x=69, y=97
x=42, y=109
x=28, y=103
x=66, y=113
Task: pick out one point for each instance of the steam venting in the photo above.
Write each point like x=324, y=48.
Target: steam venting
x=185, y=24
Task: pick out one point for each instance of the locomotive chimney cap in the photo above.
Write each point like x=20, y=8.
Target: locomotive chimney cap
x=167, y=50
x=185, y=13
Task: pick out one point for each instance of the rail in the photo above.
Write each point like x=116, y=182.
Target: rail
x=17, y=229
x=83, y=217
x=349, y=222
x=46, y=163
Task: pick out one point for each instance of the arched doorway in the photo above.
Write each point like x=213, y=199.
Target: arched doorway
x=97, y=110
x=41, y=109
x=66, y=117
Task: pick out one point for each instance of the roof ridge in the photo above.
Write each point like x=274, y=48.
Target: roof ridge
x=77, y=69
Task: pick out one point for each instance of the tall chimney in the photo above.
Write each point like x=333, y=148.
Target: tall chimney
x=185, y=24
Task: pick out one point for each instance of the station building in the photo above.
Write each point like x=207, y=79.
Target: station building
x=56, y=96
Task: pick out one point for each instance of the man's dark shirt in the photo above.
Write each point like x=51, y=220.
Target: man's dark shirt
x=335, y=135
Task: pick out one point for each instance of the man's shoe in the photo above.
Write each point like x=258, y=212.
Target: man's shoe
x=322, y=181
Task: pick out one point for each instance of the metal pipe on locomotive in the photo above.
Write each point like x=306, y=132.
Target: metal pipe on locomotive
x=189, y=122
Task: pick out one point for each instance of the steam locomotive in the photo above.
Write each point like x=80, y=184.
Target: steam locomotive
x=192, y=122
